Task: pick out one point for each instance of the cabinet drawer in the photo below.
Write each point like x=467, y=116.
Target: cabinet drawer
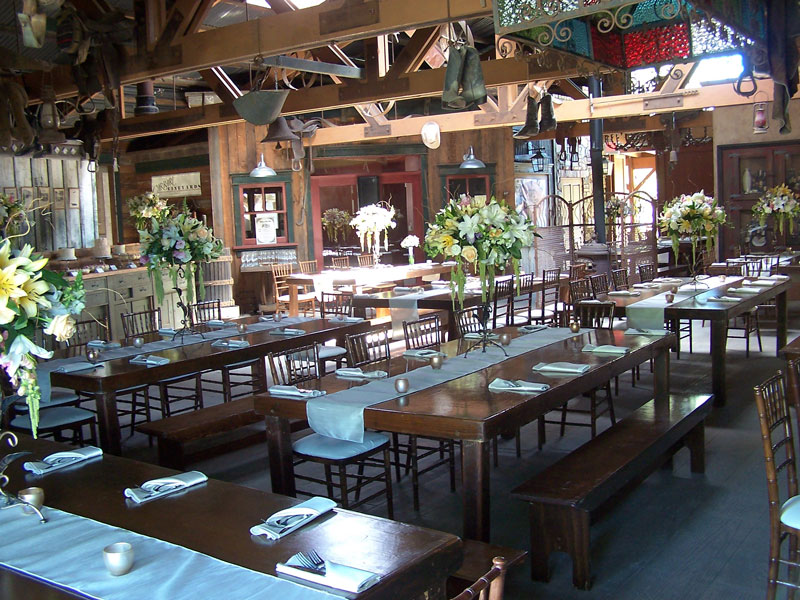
x=95, y=283
x=142, y=291
x=96, y=298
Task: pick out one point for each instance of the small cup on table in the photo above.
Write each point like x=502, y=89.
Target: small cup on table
x=33, y=496
x=118, y=558
x=241, y=327
x=401, y=384
x=437, y=361
x=138, y=342
x=505, y=339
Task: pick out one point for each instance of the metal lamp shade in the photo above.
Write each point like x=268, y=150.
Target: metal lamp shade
x=260, y=107
x=470, y=162
x=279, y=132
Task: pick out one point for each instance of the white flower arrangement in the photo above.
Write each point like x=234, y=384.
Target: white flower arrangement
x=370, y=221
x=410, y=241
x=780, y=202
x=694, y=216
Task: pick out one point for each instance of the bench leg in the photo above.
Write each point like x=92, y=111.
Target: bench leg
x=696, y=442
x=560, y=528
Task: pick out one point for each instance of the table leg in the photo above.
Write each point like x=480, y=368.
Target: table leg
x=661, y=375
x=782, y=307
x=108, y=421
x=475, y=483
x=719, y=341
x=279, y=445
x=294, y=307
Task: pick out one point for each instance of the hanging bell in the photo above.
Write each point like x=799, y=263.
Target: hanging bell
x=279, y=132
x=760, y=121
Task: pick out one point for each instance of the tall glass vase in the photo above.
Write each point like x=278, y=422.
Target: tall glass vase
x=376, y=250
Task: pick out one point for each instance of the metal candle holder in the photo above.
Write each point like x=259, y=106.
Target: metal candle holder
x=8, y=500
x=484, y=313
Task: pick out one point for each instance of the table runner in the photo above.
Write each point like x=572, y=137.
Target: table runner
x=649, y=312
x=43, y=371
x=404, y=307
x=341, y=415
x=68, y=551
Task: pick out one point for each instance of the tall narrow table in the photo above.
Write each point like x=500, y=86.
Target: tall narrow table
x=464, y=409
x=113, y=375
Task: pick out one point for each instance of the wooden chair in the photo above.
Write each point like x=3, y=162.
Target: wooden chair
x=366, y=260
x=231, y=376
x=593, y=316
x=619, y=278
x=577, y=271
x=332, y=305
x=490, y=586
x=53, y=422
x=734, y=267
x=309, y=267
x=599, y=284
x=422, y=333
x=503, y=302
x=784, y=502
x=647, y=272
x=280, y=273
x=369, y=347
x=341, y=262
x=523, y=298
x=580, y=290
x=468, y=320
x=172, y=390
x=551, y=309
x=299, y=365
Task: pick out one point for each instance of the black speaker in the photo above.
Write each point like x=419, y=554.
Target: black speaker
x=368, y=190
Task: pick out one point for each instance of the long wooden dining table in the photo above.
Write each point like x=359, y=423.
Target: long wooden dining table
x=700, y=307
x=111, y=376
x=214, y=518
x=464, y=409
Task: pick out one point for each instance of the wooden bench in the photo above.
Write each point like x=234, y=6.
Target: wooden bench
x=567, y=496
x=477, y=560
x=174, y=433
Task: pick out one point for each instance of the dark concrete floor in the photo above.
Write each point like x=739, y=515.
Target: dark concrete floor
x=677, y=536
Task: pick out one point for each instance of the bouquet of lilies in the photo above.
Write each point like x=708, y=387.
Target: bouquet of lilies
x=177, y=243
x=372, y=220
x=147, y=206
x=474, y=231
x=32, y=298
x=410, y=242
x=694, y=217
x=780, y=202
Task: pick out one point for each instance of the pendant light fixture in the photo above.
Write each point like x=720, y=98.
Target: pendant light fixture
x=470, y=162
x=262, y=170
x=538, y=161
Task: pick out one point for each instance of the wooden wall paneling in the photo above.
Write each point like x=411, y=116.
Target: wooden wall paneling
x=53, y=220
x=7, y=176
x=73, y=217
x=40, y=178
x=22, y=174
x=102, y=204
x=88, y=211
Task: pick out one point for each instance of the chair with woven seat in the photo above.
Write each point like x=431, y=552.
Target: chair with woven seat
x=551, y=309
x=334, y=305
x=341, y=262
x=300, y=365
x=599, y=284
x=784, y=501
x=490, y=586
x=422, y=333
x=647, y=272
x=280, y=273
x=619, y=278
x=173, y=390
x=232, y=376
x=590, y=316
x=135, y=405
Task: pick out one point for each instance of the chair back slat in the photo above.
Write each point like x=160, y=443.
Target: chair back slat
x=280, y=273
x=341, y=262
x=595, y=316
x=85, y=332
x=599, y=283
x=201, y=312
x=577, y=271
x=620, y=279
x=368, y=347
x=422, y=333
x=647, y=272
x=366, y=260
x=580, y=290
x=503, y=301
x=490, y=586
x=141, y=323
x=309, y=266
x=734, y=267
x=336, y=303
x=295, y=365
x=468, y=320
x=551, y=290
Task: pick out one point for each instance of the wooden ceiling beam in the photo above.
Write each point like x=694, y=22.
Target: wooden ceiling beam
x=413, y=55
x=221, y=84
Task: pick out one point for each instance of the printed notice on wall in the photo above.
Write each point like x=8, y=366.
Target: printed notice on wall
x=177, y=185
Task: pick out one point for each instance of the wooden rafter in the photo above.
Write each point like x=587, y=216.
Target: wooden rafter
x=221, y=84
x=413, y=55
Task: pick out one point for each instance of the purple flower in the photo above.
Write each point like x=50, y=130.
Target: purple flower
x=180, y=245
x=478, y=236
x=144, y=259
x=179, y=255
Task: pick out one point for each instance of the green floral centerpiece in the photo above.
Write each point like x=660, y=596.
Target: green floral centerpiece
x=779, y=202
x=617, y=207
x=176, y=243
x=473, y=231
x=13, y=214
x=370, y=222
x=695, y=216
x=147, y=206
x=335, y=220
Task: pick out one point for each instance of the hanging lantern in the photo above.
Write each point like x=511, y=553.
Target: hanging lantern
x=539, y=161
x=760, y=120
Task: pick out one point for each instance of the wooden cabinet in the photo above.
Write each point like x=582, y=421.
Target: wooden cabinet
x=745, y=174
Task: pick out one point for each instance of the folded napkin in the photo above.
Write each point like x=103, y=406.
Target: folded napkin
x=149, y=360
x=531, y=328
x=474, y=335
x=745, y=290
x=230, y=344
x=668, y=279
x=561, y=367
x=777, y=277
x=724, y=299
x=590, y=301
x=357, y=373
x=266, y=319
x=623, y=293
x=519, y=385
x=167, y=331
x=400, y=289
x=59, y=460
x=219, y=323
x=73, y=367
x=103, y=344
x=346, y=319
x=292, y=391
x=639, y=331
x=719, y=264
x=440, y=283
x=287, y=331
x=606, y=349
x=763, y=282
x=340, y=577
x=163, y=486
x=423, y=353
x=287, y=520
x=646, y=286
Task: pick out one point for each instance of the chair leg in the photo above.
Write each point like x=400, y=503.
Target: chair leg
x=388, y=475
x=329, y=481
x=396, y=450
x=451, y=448
x=593, y=412
x=345, y=501
x=226, y=384
x=564, y=418
x=610, y=402
x=414, y=470
x=541, y=437
x=758, y=332
x=518, y=441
